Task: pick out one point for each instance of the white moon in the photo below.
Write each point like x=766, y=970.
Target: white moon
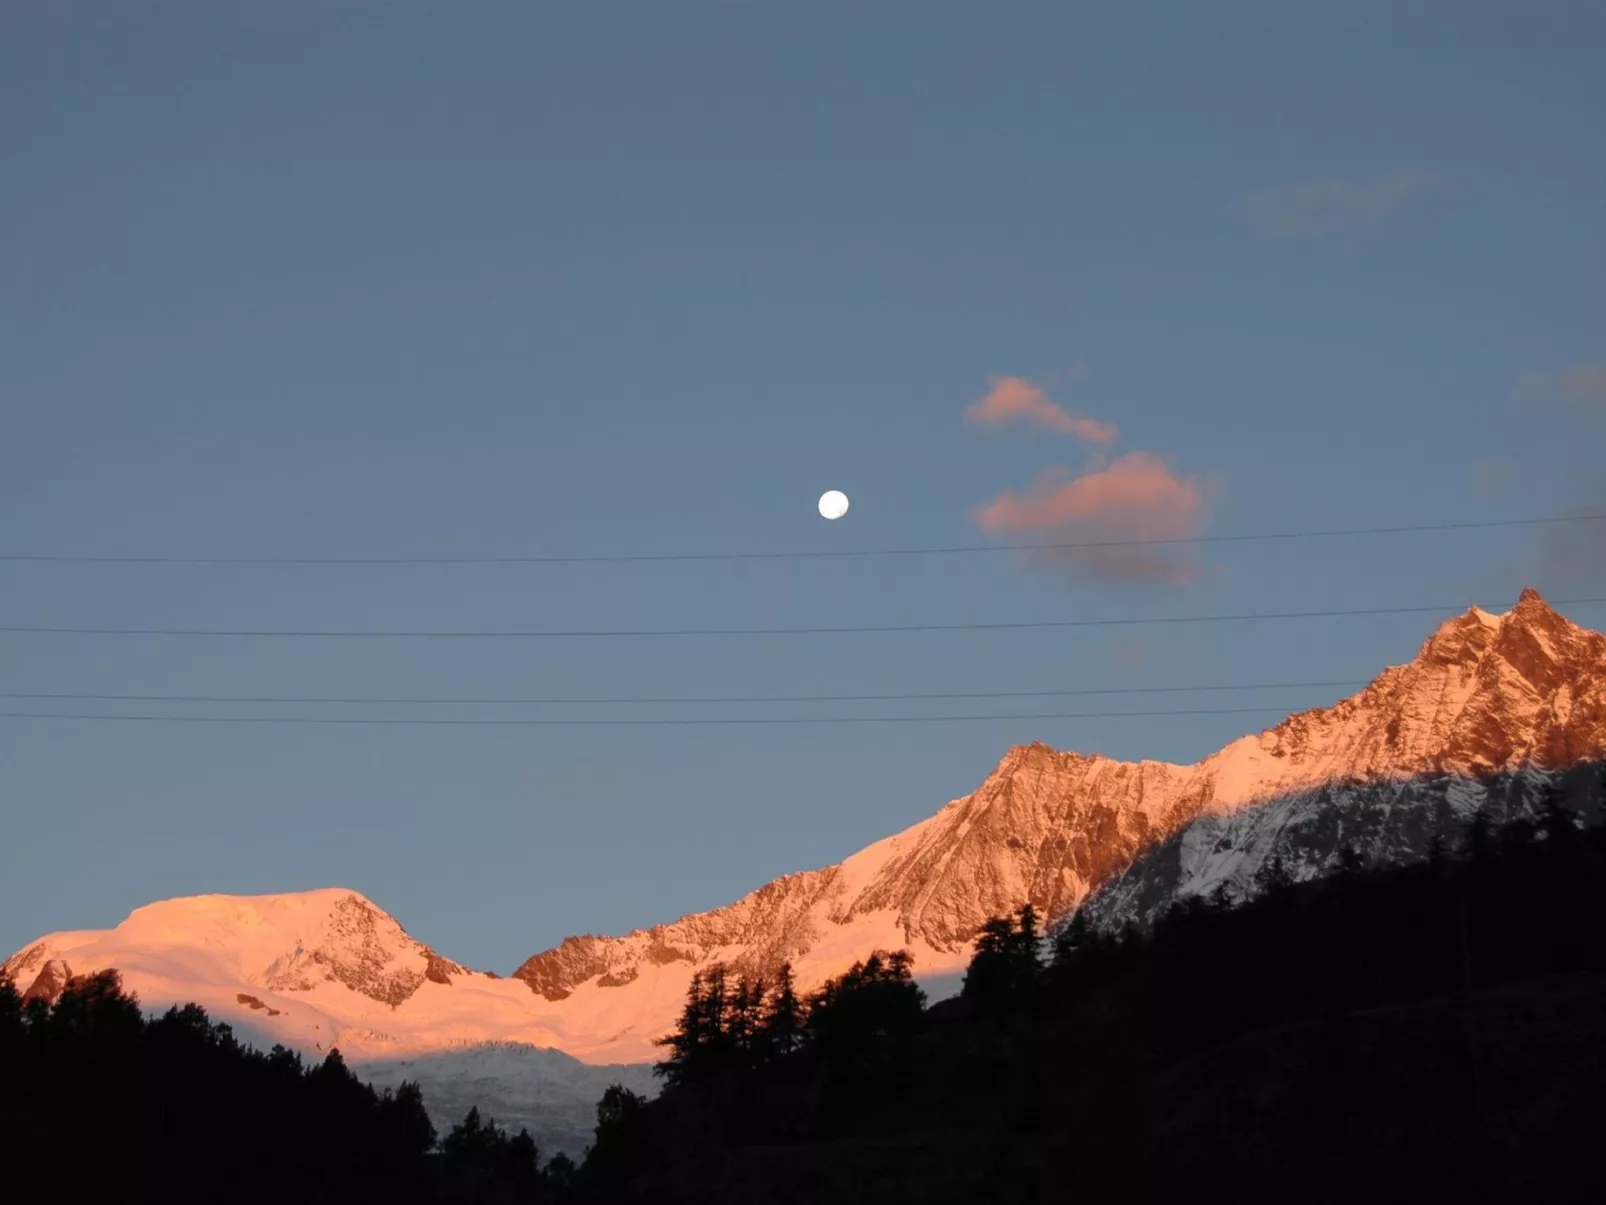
x=833, y=504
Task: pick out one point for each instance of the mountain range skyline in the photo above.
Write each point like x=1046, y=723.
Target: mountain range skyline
x=579, y=283
x=434, y=682
x=1493, y=714
x=508, y=964
x=1487, y=695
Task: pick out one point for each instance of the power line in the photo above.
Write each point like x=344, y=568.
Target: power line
x=861, y=629
x=819, y=554
x=674, y=699
x=714, y=721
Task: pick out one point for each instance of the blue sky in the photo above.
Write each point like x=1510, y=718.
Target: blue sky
x=409, y=280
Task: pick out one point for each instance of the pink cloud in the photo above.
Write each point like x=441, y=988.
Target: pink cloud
x=1573, y=555
x=1112, y=515
x=1336, y=205
x=1012, y=398
x=1586, y=384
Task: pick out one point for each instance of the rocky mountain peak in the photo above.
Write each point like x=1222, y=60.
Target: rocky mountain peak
x=352, y=941
x=1484, y=694
x=1493, y=710
x=285, y=943
x=53, y=977
x=1460, y=641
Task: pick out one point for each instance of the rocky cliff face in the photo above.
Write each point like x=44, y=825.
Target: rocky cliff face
x=358, y=945
x=1490, y=709
x=1493, y=709
x=1045, y=826
x=327, y=969
x=290, y=944
x=1493, y=712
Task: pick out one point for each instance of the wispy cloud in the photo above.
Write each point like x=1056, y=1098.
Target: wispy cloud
x=1573, y=555
x=1570, y=555
x=1134, y=498
x=1336, y=205
x=1559, y=558
x=1584, y=387
x=1015, y=399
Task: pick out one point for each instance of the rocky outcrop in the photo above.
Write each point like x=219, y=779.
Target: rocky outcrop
x=1491, y=708
x=362, y=947
x=1494, y=712
x=770, y=926
x=53, y=977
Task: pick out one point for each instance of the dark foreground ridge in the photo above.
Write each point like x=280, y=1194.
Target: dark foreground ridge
x=1430, y=1032
x=1434, y=1031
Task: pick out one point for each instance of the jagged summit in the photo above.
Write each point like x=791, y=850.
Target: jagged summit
x=1492, y=708
x=1492, y=711
x=1486, y=694
x=292, y=942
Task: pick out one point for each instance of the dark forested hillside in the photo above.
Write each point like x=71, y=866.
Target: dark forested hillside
x=97, y=1101
x=1436, y=1031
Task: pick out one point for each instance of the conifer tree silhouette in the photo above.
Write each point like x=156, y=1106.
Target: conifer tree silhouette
x=1273, y=875
x=782, y=1024
x=1007, y=962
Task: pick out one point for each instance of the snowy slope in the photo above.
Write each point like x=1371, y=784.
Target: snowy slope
x=549, y=1093
x=1492, y=708
x=324, y=969
x=1493, y=711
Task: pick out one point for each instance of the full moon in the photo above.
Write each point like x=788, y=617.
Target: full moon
x=833, y=504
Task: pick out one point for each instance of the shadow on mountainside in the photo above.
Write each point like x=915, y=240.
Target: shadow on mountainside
x=550, y=1094
x=1309, y=832
x=1434, y=1029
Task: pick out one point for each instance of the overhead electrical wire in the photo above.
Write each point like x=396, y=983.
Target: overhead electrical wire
x=669, y=699
x=811, y=554
x=645, y=633
x=712, y=721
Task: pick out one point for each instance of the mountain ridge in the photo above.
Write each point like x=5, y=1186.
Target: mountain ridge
x=1078, y=821
x=1492, y=711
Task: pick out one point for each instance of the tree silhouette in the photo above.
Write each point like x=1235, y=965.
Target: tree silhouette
x=11, y=1027
x=871, y=999
x=781, y=1028
x=1350, y=861
x=714, y=1024
x=1480, y=835
x=162, y=1103
x=560, y=1175
x=1221, y=897
x=480, y=1161
x=743, y=1014
x=415, y=1132
x=1273, y=875
x=1346, y=1023
x=1071, y=940
x=1007, y=962
x=620, y=1144
x=690, y=1040
x=1557, y=825
x=468, y=1142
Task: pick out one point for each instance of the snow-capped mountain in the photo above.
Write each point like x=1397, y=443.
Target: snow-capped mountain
x=1492, y=709
x=323, y=969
